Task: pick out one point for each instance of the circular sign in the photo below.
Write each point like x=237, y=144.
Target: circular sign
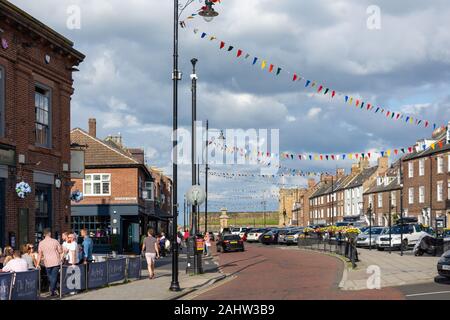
x=195, y=195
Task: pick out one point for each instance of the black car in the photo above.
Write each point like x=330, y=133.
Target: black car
x=443, y=265
x=270, y=237
x=230, y=242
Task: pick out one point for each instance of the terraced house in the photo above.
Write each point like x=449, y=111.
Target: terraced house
x=36, y=85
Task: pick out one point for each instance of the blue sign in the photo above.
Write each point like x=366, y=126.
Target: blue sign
x=5, y=285
x=97, y=275
x=116, y=269
x=26, y=285
x=134, y=268
x=73, y=279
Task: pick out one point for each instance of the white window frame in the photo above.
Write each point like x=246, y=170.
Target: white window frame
x=421, y=194
x=411, y=196
x=101, y=181
x=148, y=188
x=380, y=200
x=440, y=191
x=440, y=165
x=421, y=167
x=393, y=199
x=371, y=201
x=410, y=169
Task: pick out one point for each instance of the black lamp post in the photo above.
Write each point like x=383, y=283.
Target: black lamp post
x=193, y=141
x=369, y=213
x=208, y=13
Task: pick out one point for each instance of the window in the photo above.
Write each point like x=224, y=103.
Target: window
x=440, y=191
x=410, y=169
x=148, y=190
x=2, y=101
x=421, y=194
x=440, y=165
x=421, y=167
x=393, y=199
x=43, y=210
x=42, y=116
x=371, y=201
x=411, y=195
x=380, y=200
x=357, y=193
x=98, y=227
x=97, y=184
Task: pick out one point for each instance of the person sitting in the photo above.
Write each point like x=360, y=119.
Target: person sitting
x=28, y=256
x=8, y=253
x=17, y=264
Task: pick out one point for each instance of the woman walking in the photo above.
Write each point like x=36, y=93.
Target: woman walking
x=207, y=239
x=151, y=249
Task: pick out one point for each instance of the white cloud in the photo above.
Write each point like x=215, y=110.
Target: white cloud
x=313, y=113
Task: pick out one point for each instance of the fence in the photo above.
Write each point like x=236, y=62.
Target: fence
x=78, y=278
x=340, y=247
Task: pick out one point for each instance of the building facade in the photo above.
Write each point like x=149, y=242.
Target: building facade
x=118, y=193
x=36, y=86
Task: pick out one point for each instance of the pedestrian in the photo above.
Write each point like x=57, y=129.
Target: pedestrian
x=162, y=244
x=50, y=251
x=28, y=255
x=8, y=253
x=65, y=245
x=16, y=264
x=71, y=250
x=186, y=235
x=151, y=249
x=207, y=239
x=87, y=246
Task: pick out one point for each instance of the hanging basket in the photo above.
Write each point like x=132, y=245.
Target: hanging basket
x=76, y=196
x=23, y=189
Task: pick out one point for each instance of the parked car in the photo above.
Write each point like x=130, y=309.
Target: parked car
x=411, y=234
x=282, y=235
x=212, y=236
x=225, y=231
x=235, y=230
x=292, y=236
x=443, y=265
x=253, y=235
x=244, y=232
x=230, y=242
x=270, y=237
x=368, y=239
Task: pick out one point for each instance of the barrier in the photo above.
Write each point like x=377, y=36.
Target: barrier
x=73, y=279
x=6, y=281
x=25, y=285
x=337, y=246
x=134, y=267
x=116, y=269
x=97, y=275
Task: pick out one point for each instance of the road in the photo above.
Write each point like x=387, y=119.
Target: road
x=271, y=273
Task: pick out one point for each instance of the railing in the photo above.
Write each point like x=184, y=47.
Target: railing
x=343, y=248
x=72, y=279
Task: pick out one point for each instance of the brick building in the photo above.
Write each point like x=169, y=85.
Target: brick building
x=36, y=85
x=426, y=180
x=300, y=212
x=162, y=199
x=383, y=197
x=118, y=190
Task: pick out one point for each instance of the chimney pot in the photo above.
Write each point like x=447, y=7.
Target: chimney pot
x=93, y=127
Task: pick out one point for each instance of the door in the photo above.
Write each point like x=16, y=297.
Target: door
x=130, y=237
x=23, y=226
x=2, y=213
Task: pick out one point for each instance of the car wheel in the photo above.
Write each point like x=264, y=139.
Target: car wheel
x=405, y=244
x=380, y=249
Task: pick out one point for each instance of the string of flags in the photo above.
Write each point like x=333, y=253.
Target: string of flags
x=316, y=86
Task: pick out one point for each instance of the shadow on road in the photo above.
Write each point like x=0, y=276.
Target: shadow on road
x=442, y=280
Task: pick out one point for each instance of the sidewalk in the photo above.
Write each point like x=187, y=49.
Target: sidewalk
x=395, y=270
x=158, y=288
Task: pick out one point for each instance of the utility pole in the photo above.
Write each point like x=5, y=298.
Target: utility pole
x=206, y=178
x=390, y=223
x=401, y=205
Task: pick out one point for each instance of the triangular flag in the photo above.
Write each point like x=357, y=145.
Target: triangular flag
x=326, y=91
x=307, y=83
x=263, y=64
x=203, y=35
x=230, y=48
x=294, y=78
x=239, y=53
x=222, y=44
x=278, y=71
x=333, y=94
x=320, y=89
x=271, y=68
x=254, y=60
x=247, y=55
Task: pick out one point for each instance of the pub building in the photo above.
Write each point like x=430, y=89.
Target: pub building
x=36, y=86
x=117, y=188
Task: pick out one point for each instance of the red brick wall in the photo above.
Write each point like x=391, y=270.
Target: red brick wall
x=24, y=67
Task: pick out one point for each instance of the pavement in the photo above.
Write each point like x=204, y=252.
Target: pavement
x=394, y=270
x=158, y=288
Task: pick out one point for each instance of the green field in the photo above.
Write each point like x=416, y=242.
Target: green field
x=242, y=219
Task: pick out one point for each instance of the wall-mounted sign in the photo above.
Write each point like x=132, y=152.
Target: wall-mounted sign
x=8, y=157
x=47, y=59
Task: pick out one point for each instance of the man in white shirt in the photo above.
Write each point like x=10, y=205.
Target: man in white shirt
x=71, y=249
x=17, y=264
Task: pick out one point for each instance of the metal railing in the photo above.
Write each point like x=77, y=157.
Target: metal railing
x=72, y=279
x=341, y=247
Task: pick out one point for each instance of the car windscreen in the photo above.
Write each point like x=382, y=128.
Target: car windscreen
x=400, y=229
x=235, y=229
x=231, y=237
x=374, y=231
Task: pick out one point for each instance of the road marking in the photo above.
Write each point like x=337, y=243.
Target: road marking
x=426, y=293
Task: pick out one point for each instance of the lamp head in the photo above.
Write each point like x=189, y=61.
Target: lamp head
x=208, y=13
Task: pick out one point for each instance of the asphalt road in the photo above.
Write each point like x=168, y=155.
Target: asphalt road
x=270, y=273
x=438, y=290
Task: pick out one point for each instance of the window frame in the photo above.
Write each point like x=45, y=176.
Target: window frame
x=440, y=195
x=411, y=169
x=411, y=195
x=49, y=93
x=421, y=167
x=421, y=194
x=380, y=200
x=92, y=194
x=440, y=165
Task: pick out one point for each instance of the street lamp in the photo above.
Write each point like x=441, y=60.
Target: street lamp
x=369, y=213
x=195, y=196
x=176, y=76
x=208, y=13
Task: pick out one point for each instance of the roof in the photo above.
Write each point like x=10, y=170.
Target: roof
x=393, y=185
x=100, y=153
x=361, y=177
x=429, y=151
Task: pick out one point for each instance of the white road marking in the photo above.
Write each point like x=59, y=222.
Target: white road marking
x=426, y=293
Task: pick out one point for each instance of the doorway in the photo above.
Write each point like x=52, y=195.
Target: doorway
x=130, y=236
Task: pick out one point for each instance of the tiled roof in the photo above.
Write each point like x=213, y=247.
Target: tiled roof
x=393, y=185
x=430, y=151
x=100, y=152
x=363, y=176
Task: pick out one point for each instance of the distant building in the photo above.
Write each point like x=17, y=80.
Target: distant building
x=36, y=86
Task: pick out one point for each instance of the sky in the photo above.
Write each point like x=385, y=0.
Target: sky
x=125, y=80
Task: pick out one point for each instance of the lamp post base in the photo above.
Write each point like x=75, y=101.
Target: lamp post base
x=175, y=287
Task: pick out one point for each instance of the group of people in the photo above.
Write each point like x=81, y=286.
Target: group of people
x=51, y=254
x=206, y=241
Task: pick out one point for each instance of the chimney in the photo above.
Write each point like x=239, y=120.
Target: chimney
x=93, y=127
x=311, y=183
x=355, y=168
x=138, y=155
x=363, y=163
x=383, y=165
x=340, y=173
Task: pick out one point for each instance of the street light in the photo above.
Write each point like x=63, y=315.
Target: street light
x=369, y=213
x=208, y=13
x=176, y=76
x=195, y=196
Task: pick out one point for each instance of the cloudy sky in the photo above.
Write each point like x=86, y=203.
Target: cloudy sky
x=125, y=81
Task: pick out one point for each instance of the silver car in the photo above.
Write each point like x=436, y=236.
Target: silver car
x=366, y=240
